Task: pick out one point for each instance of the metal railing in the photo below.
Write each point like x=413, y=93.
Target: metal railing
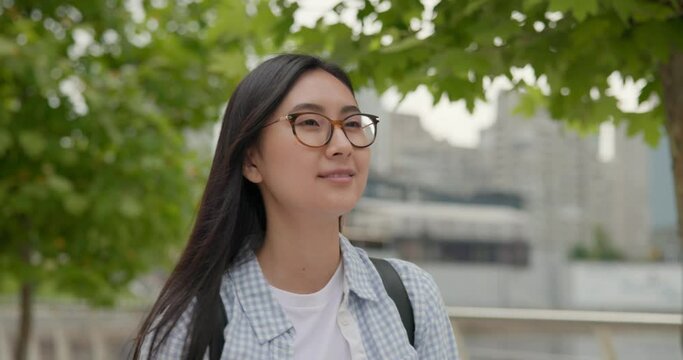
x=64, y=332
x=601, y=324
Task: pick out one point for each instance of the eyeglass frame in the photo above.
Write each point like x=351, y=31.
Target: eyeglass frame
x=335, y=123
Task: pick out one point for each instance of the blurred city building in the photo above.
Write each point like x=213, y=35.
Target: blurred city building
x=553, y=173
x=497, y=225
x=567, y=189
x=441, y=231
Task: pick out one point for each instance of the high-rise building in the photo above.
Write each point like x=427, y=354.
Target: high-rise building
x=423, y=199
x=571, y=194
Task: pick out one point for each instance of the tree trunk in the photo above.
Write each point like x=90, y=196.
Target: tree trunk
x=26, y=304
x=672, y=81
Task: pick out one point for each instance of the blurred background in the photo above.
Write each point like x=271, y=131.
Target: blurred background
x=523, y=159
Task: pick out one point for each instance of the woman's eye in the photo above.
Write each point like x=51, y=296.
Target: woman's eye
x=352, y=124
x=308, y=122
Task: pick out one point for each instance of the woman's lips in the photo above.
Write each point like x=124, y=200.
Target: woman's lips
x=338, y=178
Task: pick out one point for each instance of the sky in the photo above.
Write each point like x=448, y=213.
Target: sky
x=662, y=204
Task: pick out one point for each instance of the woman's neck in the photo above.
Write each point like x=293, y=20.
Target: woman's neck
x=300, y=255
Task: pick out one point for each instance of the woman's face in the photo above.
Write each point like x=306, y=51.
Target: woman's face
x=293, y=177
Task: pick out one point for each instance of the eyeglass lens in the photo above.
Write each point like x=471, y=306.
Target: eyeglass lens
x=315, y=130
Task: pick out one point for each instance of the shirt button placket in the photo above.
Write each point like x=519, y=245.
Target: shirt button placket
x=281, y=349
x=344, y=318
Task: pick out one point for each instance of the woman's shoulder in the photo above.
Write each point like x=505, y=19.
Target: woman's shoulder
x=411, y=272
x=417, y=281
x=422, y=290
x=434, y=338
x=407, y=269
x=169, y=342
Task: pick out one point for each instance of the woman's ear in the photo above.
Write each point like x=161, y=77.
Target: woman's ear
x=249, y=168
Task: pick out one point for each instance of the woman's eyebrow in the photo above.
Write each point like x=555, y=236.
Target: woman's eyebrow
x=350, y=109
x=318, y=108
x=307, y=106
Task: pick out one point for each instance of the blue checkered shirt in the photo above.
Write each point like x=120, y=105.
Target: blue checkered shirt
x=258, y=328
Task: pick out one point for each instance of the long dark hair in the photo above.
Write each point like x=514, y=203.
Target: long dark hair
x=230, y=211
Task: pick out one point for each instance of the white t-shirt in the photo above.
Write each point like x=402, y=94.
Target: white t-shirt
x=314, y=316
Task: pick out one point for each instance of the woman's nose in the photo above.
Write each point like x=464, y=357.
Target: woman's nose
x=339, y=144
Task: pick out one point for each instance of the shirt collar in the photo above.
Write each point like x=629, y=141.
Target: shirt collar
x=261, y=308
x=265, y=314
x=356, y=270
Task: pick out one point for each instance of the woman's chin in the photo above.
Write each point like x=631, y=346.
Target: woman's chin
x=336, y=211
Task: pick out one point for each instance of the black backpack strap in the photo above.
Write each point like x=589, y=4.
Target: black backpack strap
x=397, y=292
x=218, y=340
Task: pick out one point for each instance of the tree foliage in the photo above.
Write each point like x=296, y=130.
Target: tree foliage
x=97, y=183
x=601, y=248
x=463, y=44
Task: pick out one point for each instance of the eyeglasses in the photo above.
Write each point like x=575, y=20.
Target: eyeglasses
x=315, y=130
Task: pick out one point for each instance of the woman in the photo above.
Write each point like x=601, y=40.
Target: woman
x=292, y=158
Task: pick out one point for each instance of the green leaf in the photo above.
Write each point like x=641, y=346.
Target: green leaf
x=652, y=136
x=474, y=5
x=231, y=22
x=75, y=204
x=403, y=45
x=32, y=142
x=649, y=10
x=650, y=88
x=130, y=207
x=529, y=101
x=647, y=124
x=561, y=5
x=655, y=38
x=5, y=142
x=58, y=183
x=624, y=8
x=7, y=46
x=231, y=64
x=530, y=4
x=582, y=8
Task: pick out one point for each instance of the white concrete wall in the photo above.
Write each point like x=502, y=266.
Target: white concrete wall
x=547, y=283
x=490, y=285
x=626, y=286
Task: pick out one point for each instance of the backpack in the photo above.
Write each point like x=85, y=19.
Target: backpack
x=393, y=285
